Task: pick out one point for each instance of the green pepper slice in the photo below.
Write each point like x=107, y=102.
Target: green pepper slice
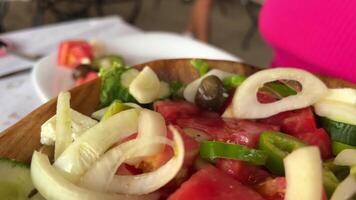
x=338, y=147
x=114, y=108
x=330, y=181
x=278, y=146
x=280, y=89
x=233, y=81
x=201, y=66
x=211, y=150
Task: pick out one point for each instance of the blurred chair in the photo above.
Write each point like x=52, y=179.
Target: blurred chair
x=4, y=6
x=252, y=8
x=65, y=10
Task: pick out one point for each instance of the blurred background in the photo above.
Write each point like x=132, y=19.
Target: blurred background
x=233, y=23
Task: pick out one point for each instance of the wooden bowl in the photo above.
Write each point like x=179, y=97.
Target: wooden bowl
x=20, y=140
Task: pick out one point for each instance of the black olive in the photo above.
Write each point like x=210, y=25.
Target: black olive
x=81, y=71
x=211, y=94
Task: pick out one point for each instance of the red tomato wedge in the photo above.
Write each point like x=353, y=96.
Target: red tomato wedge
x=89, y=77
x=245, y=173
x=173, y=110
x=319, y=138
x=210, y=183
x=245, y=132
x=296, y=121
x=72, y=52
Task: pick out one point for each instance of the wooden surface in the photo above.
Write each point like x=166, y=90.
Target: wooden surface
x=20, y=140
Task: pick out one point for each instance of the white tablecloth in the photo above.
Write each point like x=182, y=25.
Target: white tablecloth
x=17, y=94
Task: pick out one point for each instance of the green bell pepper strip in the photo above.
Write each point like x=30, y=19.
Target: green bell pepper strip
x=278, y=146
x=330, y=181
x=115, y=107
x=201, y=66
x=211, y=150
x=338, y=147
x=280, y=89
x=233, y=81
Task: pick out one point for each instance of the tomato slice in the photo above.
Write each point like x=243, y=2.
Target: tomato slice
x=245, y=173
x=210, y=183
x=72, y=52
x=319, y=138
x=292, y=122
x=244, y=132
x=173, y=110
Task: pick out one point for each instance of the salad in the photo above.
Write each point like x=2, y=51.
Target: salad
x=85, y=59
x=278, y=134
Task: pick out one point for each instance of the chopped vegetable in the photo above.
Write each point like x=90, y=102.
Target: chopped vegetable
x=63, y=124
x=145, y=87
x=340, y=131
x=337, y=111
x=201, y=66
x=151, y=124
x=108, y=61
x=74, y=52
x=280, y=89
x=164, y=90
x=151, y=181
x=84, y=151
x=15, y=181
x=196, y=134
x=346, y=157
x=176, y=89
x=330, y=181
x=52, y=185
x=115, y=107
x=192, y=88
x=211, y=150
x=210, y=183
x=79, y=122
x=344, y=95
x=304, y=174
x=277, y=146
x=246, y=104
x=111, y=87
x=128, y=76
x=338, y=147
x=234, y=81
x=346, y=189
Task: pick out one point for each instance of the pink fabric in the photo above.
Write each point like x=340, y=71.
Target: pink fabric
x=316, y=35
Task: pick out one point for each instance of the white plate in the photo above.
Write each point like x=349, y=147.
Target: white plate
x=49, y=79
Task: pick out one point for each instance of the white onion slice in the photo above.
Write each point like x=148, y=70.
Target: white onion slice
x=336, y=110
x=83, y=152
x=99, y=176
x=303, y=169
x=191, y=89
x=346, y=157
x=151, y=124
x=345, y=95
x=152, y=181
x=246, y=104
x=51, y=185
x=63, y=124
x=345, y=190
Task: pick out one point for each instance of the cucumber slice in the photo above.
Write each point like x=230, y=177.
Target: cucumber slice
x=345, y=95
x=339, y=131
x=15, y=181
